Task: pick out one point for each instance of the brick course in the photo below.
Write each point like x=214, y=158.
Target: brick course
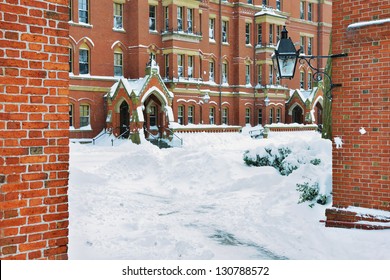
x=34, y=132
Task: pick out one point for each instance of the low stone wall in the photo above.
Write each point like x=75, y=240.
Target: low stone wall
x=213, y=129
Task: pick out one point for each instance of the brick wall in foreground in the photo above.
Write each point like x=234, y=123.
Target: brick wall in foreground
x=34, y=151
x=361, y=167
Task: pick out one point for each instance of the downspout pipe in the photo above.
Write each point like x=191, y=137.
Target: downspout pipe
x=220, y=61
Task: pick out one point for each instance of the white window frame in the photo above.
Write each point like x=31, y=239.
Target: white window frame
x=152, y=18
x=85, y=115
x=118, y=16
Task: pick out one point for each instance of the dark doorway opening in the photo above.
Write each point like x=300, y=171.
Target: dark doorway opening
x=124, y=119
x=297, y=115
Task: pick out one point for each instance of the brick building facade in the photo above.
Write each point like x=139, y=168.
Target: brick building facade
x=219, y=49
x=361, y=114
x=34, y=129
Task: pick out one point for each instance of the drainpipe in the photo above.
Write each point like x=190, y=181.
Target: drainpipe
x=319, y=10
x=220, y=62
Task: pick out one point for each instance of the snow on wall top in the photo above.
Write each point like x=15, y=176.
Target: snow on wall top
x=368, y=23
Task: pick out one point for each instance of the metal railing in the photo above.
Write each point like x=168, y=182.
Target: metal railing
x=99, y=135
x=175, y=135
x=126, y=131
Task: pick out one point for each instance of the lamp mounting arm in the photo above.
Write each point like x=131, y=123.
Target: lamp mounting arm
x=319, y=74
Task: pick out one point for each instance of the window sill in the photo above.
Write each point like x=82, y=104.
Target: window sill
x=121, y=30
x=155, y=32
x=80, y=24
x=225, y=44
x=248, y=45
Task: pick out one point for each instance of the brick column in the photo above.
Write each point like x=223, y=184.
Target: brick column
x=361, y=167
x=34, y=134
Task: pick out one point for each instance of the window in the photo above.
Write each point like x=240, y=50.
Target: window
x=152, y=18
x=84, y=115
x=310, y=46
x=271, y=116
x=278, y=115
x=83, y=11
x=247, y=33
x=211, y=71
x=303, y=44
x=84, y=61
x=118, y=16
x=70, y=10
x=70, y=60
x=271, y=74
x=225, y=115
x=180, y=114
x=211, y=28
x=247, y=115
x=211, y=115
x=118, y=63
x=302, y=79
x=166, y=18
x=264, y=2
x=278, y=5
x=166, y=60
x=259, y=74
x=224, y=72
x=310, y=11
x=260, y=117
x=271, y=34
x=278, y=33
x=180, y=63
x=259, y=34
x=247, y=74
x=70, y=114
x=190, y=66
x=179, y=18
x=250, y=1
x=309, y=80
x=302, y=10
x=190, y=18
x=224, y=31
x=191, y=114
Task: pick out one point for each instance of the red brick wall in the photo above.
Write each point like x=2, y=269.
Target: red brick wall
x=34, y=150
x=361, y=168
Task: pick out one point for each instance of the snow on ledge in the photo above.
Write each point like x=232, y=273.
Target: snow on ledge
x=368, y=23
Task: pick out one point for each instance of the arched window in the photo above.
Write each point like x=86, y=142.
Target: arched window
x=278, y=115
x=271, y=116
x=180, y=114
x=71, y=114
x=84, y=115
x=84, y=58
x=225, y=72
x=260, y=117
x=211, y=70
x=225, y=116
x=70, y=60
x=190, y=114
x=211, y=115
x=302, y=79
x=118, y=62
x=247, y=115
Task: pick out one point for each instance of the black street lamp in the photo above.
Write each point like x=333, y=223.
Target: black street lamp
x=285, y=60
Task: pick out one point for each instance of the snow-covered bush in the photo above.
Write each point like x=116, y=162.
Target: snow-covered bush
x=310, y=191
x=281, y=158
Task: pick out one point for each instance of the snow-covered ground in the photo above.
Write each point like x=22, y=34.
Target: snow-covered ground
x=201, y=201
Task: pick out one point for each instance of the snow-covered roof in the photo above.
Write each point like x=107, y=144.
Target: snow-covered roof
x=130, y=85
x=268, y=11
x=304, y=94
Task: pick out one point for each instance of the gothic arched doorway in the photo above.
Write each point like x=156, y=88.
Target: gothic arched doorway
x=319, y=111
x=297, y=115
x=124, y=119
